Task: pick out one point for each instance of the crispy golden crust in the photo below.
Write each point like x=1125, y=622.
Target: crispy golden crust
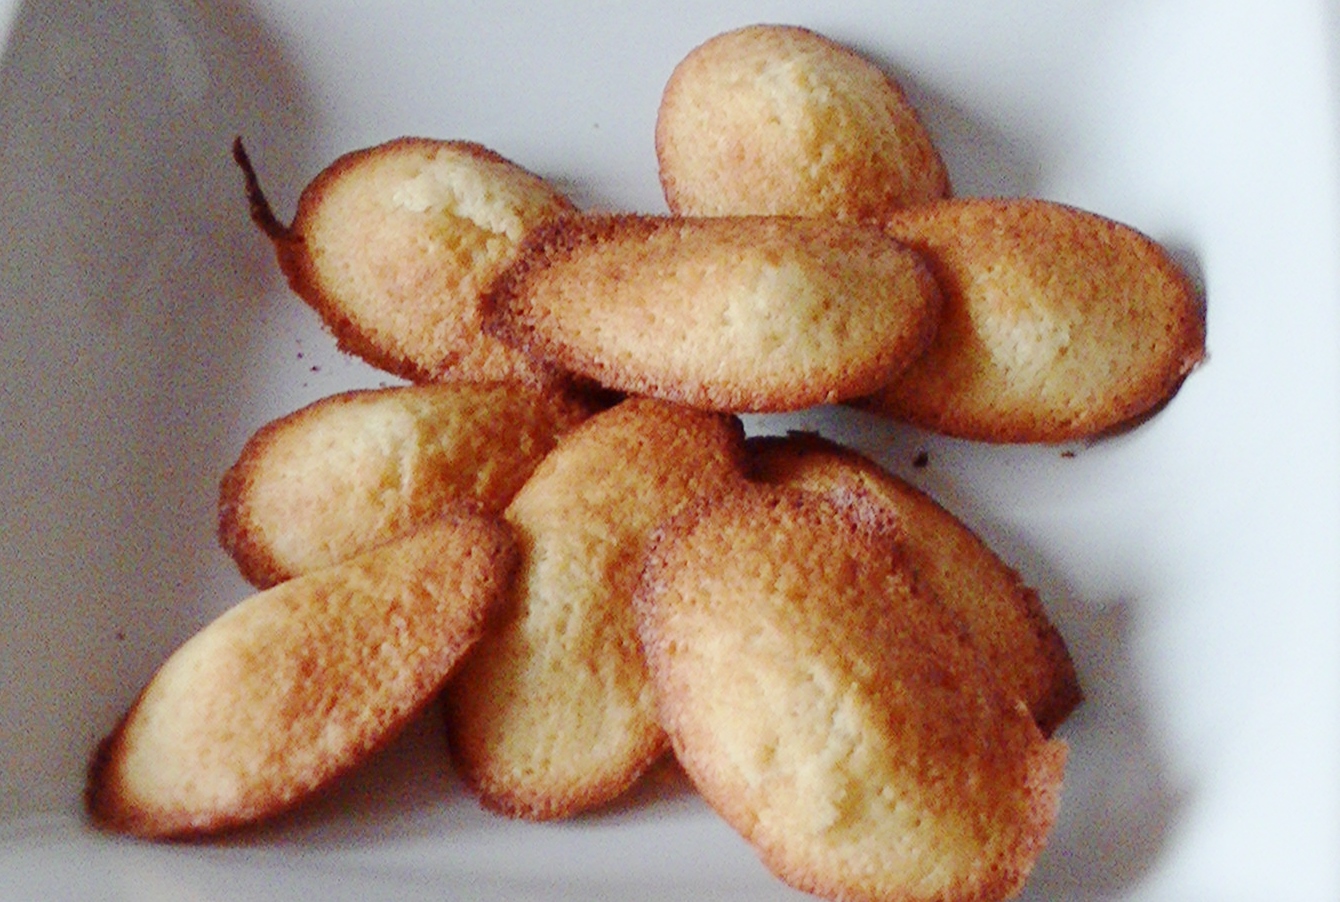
x=1004, y=616
x=779, y=120
x=393, y=244
x=353, y=470
x=297, y=685
x=551, y=714
x=1058, y=324
x=730, y=314
x=835, y=715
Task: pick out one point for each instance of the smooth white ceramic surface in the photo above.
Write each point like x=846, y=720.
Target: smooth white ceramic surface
x=1193, y=565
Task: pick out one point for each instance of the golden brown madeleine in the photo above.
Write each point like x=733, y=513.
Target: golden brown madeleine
x=297, y=685
x=393, y=244
x=779, y=120
x=1004, y=616
x=355, y=469
x=1058, y=324
x=551, y=714
x=835, y=715
x=730, y=314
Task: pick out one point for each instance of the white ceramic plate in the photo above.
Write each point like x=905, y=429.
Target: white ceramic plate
x=1193, y=565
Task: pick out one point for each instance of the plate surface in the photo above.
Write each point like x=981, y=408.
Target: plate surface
x=1193, y=564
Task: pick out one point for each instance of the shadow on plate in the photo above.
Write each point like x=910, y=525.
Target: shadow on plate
x=982, y=160
x=1120, y=804
x=131, y=281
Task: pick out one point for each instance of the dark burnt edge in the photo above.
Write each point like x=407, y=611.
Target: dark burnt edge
x=261, y=212
x=94, y=787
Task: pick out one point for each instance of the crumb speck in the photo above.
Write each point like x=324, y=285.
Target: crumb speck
x=1068, y=454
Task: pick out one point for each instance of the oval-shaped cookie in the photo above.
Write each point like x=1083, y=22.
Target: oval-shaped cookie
x=393, y=244
x=834, y=714
x=1005, y=617
x=298, y=684
x=551, y=714
x=347, y=472
x=780, y=120
x=1058, y=324
x=731, y=314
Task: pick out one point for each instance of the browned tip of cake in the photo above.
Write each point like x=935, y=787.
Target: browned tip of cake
x=297, y=685
x=1005, y=616
x=321, y=484
x=834, y=713
x=780, y=120
x=1057, y=325
x=731, y=314
x=551, y=714
x=393, y=244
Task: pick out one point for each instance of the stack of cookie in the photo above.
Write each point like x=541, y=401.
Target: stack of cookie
x=561, y=529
